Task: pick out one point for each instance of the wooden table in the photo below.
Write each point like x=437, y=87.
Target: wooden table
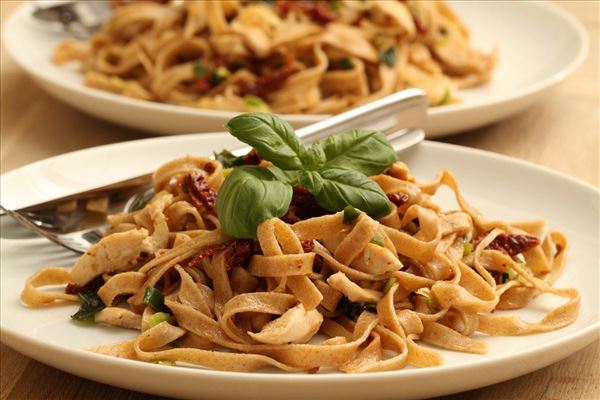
x=560, y=132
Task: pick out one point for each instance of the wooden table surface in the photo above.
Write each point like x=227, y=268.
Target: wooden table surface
x=561, y=132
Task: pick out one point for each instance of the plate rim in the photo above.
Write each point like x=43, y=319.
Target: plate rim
x=577, y=339
x=434, y=112
x=202, y=136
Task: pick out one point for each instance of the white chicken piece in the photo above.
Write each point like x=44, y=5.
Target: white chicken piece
x=351, y=290
x=375, y=259
x=397, y=15
x=115, y=252
x=117, y=316
x=152, y=217
x=340, y=35
x=296, y=325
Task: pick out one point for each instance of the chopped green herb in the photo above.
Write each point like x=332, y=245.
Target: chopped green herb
x=154, y=298
x=200, y=71
x=158, y=318
x=90, y=302
x=443, y=31
x=334, y=5
x=220, y=74
x=345, y=64
x=388, y=284
x=378, y=239
x=350, y=215
x=228, y=160
x=388, y=56
x=370, y=307
x=431, y=302
x=467, y=248
x=446, y=98
x=353, y=310
x=511, y=275
x=117, y=82
x=236, y=65
x=90, y=305
x=256, y=103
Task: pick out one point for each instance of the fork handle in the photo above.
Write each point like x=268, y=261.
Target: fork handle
x=404, y=109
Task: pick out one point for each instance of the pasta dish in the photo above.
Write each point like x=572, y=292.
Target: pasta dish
x=314, y=57
x=300, y=259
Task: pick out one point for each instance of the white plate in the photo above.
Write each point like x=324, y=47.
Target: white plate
x=501, y=187
x=539, y=45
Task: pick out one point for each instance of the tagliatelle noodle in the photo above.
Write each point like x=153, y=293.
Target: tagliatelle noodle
x=317, y=294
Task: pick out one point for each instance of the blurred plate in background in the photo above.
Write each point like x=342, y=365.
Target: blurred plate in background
x=539, y=45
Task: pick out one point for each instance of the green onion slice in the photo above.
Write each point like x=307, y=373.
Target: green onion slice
x=388, y=285
x=256, y=103
x=350, y=215
x=467, y=248
x=154, y=298
x=378, y=239
x=432, y=303
x=158, y=318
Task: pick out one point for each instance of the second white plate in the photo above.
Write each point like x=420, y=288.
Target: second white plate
x=539, y=45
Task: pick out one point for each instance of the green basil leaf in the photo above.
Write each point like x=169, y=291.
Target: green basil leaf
x=360, y=150
x=227, y=158
x=313, y=158
x=249, y=196
x=288, y=176
x=273, y=138
x=336, y=188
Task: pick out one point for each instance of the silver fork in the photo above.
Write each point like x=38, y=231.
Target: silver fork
x=79, y=226
x=78, y=18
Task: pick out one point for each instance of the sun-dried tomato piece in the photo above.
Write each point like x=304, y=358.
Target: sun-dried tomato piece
x=270, y=82
x=318, y=263
x=303, y=206
x=252, y=158
x=94, y=284
x=203, y=84
x=207, y=252
x=256, y=249
x=290, y=216
x=308, y=246
x=238, y=253
x=513, y=244
x=201, y=195
x=510, y=244
x=319, y=11
x=399, y=198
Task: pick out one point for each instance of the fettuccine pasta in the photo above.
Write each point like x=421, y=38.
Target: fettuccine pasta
x=335, y=291
x=314, y=57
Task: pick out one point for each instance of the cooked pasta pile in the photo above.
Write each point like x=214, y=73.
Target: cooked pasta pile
x=337, y=291
x=287, y=56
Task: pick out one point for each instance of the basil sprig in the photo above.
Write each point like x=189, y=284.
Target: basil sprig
x=335, y=170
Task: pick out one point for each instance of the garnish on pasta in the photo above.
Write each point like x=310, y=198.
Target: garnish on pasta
x=327, y=257
x=283, y=56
